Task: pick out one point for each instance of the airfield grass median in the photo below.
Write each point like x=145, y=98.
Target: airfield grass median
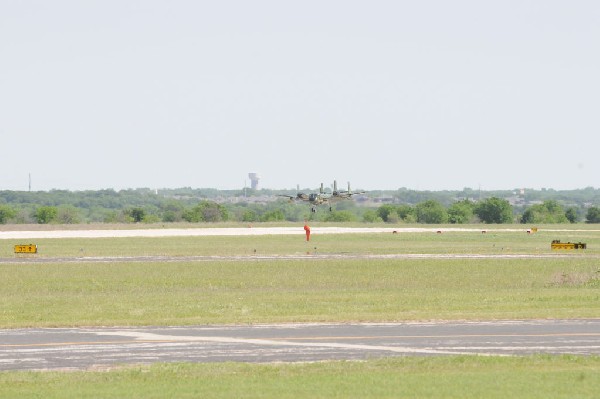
x=311, y=290
x=414, y=377
x=437, y=240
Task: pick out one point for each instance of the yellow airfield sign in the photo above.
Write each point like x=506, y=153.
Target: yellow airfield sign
x=26, y=249
x=556, y=244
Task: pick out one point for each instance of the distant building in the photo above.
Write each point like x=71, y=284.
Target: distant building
x=254, y=178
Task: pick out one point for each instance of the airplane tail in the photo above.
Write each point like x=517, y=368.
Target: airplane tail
x=335, y=189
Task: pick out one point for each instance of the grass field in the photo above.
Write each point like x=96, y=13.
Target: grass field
x=411, y=377
x=264, y=291
x=224, y=292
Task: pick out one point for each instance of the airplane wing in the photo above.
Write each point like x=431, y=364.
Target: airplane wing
x=297, y=197
x=290, y=197
x=349, y=194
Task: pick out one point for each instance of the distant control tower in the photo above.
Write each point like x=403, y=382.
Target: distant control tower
x=254, y=178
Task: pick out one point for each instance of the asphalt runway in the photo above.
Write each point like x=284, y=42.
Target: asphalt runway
x=209, y=231
x=309, y=257
x=105, y=348
x=240, y=231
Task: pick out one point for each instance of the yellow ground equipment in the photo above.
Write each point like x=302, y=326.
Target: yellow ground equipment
x=557, y=245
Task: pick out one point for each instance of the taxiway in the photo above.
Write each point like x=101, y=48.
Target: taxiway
x=97, y=348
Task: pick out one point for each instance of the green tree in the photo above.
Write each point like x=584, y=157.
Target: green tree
x=170, y=216
x=431, y=211
x=206, y=211
x=68, y=214
x=384, y=212
x=461, y=212
x=171, y=211
x=494, y=210
x=593, y=215
x=6, y=213
x=549, y=211
x=137, y=214
x=293, y=212
x=530, y=216
x=45, y=214
x=407, y=213
x=275, y=215
x=371, y=216
x=340, y=216
x=249, y=215
x=571, y=215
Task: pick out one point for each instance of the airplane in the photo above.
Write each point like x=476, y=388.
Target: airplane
x=314, y=199
x=343, y=195
x=321, y=198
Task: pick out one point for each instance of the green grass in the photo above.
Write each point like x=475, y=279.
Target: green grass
x=217, y=292
x=413, y=377
x=493, y=242
x=263, y=291
x=339, y=290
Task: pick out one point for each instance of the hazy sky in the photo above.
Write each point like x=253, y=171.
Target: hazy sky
x=427, y=95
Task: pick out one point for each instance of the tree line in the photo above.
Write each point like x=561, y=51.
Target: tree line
x=491, y=211
x=193, y=206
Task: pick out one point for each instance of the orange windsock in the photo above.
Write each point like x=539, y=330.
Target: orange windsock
x=307, y=230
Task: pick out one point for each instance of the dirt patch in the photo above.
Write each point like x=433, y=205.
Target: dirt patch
x=575, y=279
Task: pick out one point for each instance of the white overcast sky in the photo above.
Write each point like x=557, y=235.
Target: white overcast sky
x=428, y=95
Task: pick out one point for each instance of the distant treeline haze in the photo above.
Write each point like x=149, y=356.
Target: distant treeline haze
x=211, y=205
